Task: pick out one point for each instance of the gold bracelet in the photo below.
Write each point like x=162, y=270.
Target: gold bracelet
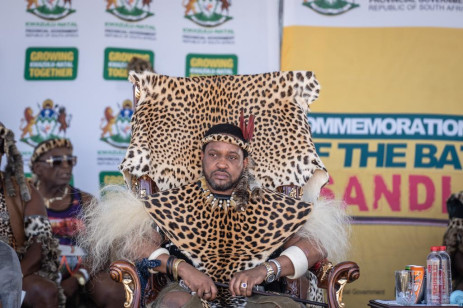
x=175, y=268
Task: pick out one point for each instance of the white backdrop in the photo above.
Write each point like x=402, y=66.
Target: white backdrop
x=243, y=38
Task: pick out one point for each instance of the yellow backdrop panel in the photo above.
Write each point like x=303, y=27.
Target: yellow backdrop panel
x=404, y=72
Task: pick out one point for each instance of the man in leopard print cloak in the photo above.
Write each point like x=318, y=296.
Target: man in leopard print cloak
x=224, y=193
x=221, y=210
x=25, y=227
x=228, y=242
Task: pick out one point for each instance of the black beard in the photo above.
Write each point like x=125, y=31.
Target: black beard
x=225, y=186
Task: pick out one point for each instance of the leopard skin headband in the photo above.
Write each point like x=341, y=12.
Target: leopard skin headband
x=49, y=145
x=228, y=139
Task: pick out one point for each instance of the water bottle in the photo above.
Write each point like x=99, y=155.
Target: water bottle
x=434, y=277
x=456, y=298
x=446, y=285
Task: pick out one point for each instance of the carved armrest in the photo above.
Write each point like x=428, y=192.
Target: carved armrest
x=125, y=273
x=334, y=279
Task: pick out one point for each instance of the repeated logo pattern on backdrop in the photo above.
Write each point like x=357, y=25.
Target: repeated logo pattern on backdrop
x=72, y=58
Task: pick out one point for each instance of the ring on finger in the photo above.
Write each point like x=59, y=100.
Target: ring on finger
x=193, y=293
x=244, y=285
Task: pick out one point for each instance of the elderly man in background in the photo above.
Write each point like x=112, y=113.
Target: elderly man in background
x=52, y=162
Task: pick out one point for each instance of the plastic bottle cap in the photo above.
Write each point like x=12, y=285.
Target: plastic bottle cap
x=456, y=297
x=434, y=248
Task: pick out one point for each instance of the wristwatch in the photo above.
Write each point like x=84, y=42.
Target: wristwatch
x=270, y=273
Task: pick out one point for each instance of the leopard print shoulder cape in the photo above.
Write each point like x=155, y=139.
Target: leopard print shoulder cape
x=221, y=241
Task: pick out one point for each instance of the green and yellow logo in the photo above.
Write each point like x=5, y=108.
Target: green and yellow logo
x=207, y=13
x=43, y=63
x=116, y=59
x=50, y=9
x=111, y=178
x=129, y=10
x=330, y=7
x=50, y=122
x=206, y=65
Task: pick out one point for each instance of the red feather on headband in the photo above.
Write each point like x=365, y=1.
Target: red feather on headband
x=247, y=129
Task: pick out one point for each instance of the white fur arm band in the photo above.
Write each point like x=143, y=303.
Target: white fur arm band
x=298, y=259
x=155, y=254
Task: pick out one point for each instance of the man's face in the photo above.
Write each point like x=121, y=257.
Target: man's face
x=58, y=174
x=223, y=164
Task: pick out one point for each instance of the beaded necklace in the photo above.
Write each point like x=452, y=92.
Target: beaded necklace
x=214, y=200
x=49, y=201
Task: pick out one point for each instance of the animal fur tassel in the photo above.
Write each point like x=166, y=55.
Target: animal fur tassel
x=328, y=228
x=117, y=227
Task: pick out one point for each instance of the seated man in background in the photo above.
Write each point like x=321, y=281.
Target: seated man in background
x=52, y=163
x=24, y=226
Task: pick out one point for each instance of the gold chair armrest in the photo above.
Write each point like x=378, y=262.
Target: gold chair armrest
x=334, y=279
x=125, y=273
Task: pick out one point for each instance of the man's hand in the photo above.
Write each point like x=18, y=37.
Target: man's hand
x=70, y=286
x=198, y=282
x=243, y=282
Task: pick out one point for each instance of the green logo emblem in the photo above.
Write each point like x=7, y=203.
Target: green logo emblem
x=50, y=9
x=50, y=122
x=129, y=10
x=116, y=129
x=330, y=7
x=51, y=63
x=207, y=13
x=204, y=65
x=111, y=178
x=116, y=60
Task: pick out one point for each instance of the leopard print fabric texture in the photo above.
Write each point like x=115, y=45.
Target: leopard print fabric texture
x=173, y=113
x=222, y=241
x=6, y=233
x=38, y=229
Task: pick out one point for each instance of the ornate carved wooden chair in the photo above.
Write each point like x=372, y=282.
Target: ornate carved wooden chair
x=179, y=110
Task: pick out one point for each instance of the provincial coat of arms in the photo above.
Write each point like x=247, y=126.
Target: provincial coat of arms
x=49, y=123
x=116, y=129
x=330, y=7
x=129, y=10
x=50, y=9
x=207, y=13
